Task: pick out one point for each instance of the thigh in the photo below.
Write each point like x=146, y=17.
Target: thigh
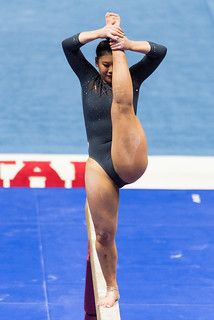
x=102, y=197
x=129, y=146
x=127, y=132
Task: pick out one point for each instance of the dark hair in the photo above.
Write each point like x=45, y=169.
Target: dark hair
x=103, y=48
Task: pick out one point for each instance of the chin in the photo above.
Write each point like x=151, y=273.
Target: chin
x=108, y=80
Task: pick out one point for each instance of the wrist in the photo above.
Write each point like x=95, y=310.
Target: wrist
x=99, y=33
x=87, y=36
x=139, y=46
x=128, y=44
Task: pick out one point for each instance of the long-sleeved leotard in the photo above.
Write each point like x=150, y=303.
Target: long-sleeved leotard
x=97, y=99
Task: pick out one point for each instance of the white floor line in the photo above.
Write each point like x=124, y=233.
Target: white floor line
x=44, y=284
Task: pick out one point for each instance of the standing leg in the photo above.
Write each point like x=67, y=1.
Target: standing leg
x=103, y=198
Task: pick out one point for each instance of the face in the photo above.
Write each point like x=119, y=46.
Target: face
x=104, y=64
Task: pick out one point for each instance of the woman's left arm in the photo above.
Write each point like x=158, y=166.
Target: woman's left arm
x=126, y=44
x=154, y=54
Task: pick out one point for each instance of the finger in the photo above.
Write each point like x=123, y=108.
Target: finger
x=119, y=29
x=116, y=46
x=114, y=38
x=120, y=32
x=116, y=49
x=119, y=36
x=116, y=32
x=112, y=42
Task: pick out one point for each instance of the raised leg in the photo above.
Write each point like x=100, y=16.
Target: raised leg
x=103, y=197
x=129, y=146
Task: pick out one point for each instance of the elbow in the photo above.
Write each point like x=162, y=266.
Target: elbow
x=67, y=44
x=64, y=44
x=164, y=51
x=158, y=51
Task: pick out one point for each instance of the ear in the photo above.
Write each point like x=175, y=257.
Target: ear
x=96, y=61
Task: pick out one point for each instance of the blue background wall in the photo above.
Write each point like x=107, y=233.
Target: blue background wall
x=40, y=96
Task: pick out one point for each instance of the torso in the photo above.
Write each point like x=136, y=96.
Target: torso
x=97, y=100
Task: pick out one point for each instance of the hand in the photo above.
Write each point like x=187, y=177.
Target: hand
x=112, y=32
x=121, y=43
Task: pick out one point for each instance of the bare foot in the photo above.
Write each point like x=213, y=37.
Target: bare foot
x=112, y=296
x=112, y=19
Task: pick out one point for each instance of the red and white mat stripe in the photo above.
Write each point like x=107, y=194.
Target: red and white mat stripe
x=67, y=171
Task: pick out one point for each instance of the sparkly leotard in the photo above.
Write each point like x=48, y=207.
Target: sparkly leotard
x=97, y=99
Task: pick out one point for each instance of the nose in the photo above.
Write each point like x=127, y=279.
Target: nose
x=110, y=69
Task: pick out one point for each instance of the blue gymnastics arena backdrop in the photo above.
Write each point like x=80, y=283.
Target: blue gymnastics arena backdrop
x=40, y=96
x=170, y=253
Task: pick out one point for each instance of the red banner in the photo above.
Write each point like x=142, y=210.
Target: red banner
x=40, y=174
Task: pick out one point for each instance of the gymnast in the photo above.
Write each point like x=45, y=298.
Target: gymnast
x=117, y=142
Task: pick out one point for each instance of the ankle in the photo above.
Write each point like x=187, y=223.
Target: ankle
x=114, y=290
x=111, y=288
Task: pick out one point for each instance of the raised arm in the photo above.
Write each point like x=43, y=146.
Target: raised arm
x=77, y=61
x=71, y=47
x=154, y=54
x=111, y=32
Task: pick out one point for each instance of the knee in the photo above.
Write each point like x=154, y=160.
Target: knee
x=104, y=237
x=131, y=172
x=122, y=108
x=122, y=99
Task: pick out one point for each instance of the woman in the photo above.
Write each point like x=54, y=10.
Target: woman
x=117, y=142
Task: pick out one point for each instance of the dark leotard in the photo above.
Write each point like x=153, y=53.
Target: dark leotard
x=97, y=99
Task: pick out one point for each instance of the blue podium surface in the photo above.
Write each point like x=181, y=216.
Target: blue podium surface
x=165, y=243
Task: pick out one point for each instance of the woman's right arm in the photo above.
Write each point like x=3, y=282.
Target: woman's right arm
x=79, y=64
x=111, y=32
x=72, y=45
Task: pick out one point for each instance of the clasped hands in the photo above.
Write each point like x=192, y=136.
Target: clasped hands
x=118, y=40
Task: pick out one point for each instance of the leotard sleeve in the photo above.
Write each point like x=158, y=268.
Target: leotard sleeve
x=77, y=61
x=145, y=67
